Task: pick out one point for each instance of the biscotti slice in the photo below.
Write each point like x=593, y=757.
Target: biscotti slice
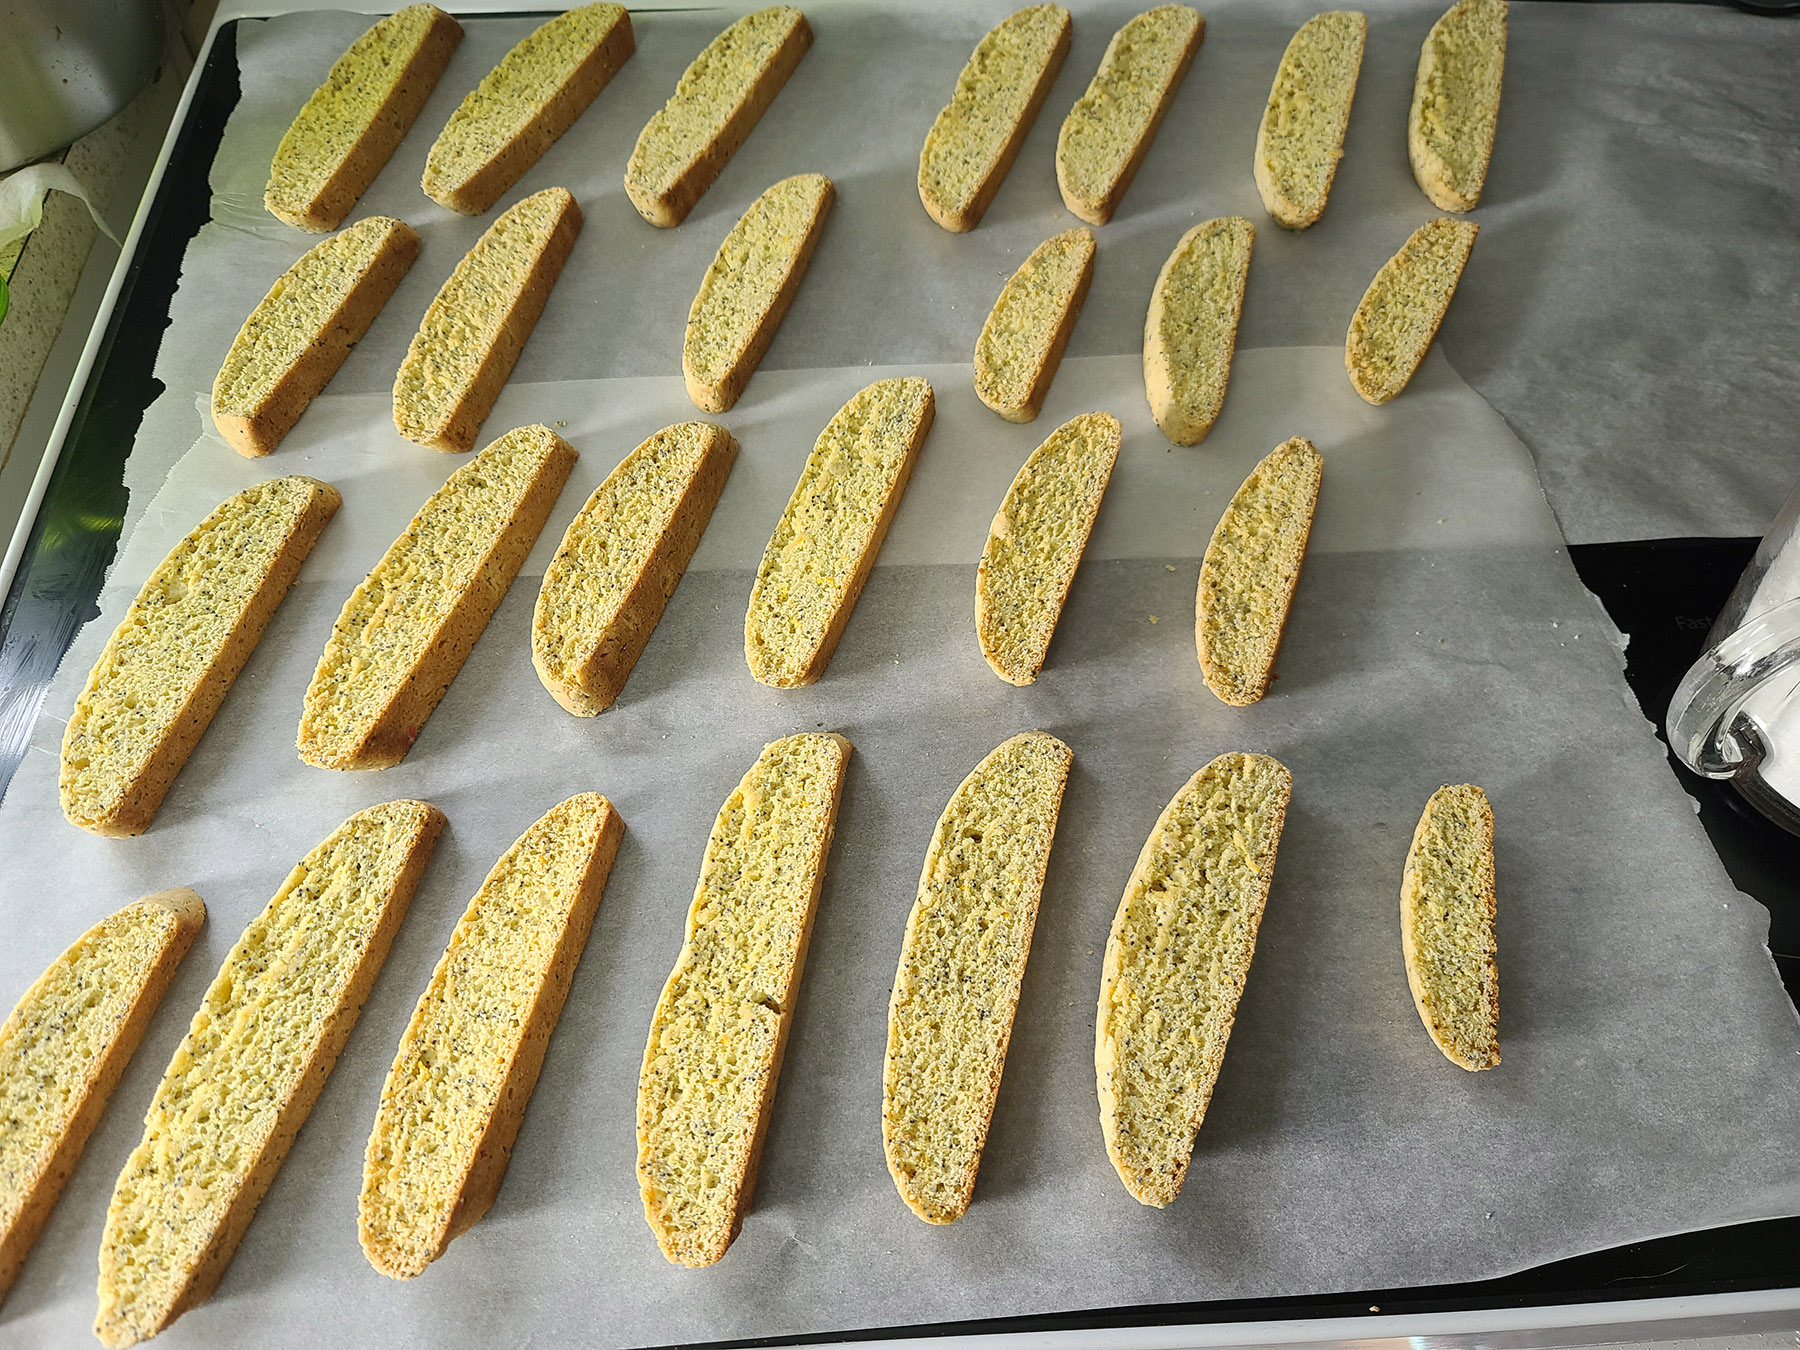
x=1036, y=541
x=1447, y=926
x=1399, y=314
x=1456, y=103
x=716, y=105
x=620, y=561
x=825, y=543
x=975, y=139
x=1191, y=330
x=297, y=337
x=1108, y=132
x=64, y=1047
x=1301, y=138
x=523, y=105
x=1251, y=567
x=1022, y=342
x=748, y=288
x=1175, y=964
x=172, y=659
x=355, y=121
x=714, y=1054
x=469, y=1059
x=473, y=332
x=407, y=629
x=961, y=965
x=254, y=1061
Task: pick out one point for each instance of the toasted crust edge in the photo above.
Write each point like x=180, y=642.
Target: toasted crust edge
x=1415, y=979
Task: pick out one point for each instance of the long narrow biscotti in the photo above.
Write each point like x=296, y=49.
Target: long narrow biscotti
x=1022, y=342
x=1447, y=935
x=355, y=121
x=1109, y=130
x=825, y=543
x=473, y=332
x=961, y=966
x=64, y=1047
x=716, y=105
x=1175, y=965
x=1190, y=332
x=299, y=334
x=1036, y=542
x=172, y=659
x=747, y=290
x=1301, y=138
x=1456, y=103
x=524, y=104
x=975, y=139
x=469, y=1059
x=1399, y=314
x=1251, y=567
x=620, y=561
x=255, y=1058
x=713, y=1058
x=407, y=629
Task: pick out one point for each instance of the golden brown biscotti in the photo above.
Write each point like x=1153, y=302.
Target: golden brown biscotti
x=255, y=1058
x=1022, y=342
x=1399, y=314
x=1301, y=138
x=1447, y=913
x=172, y=659
x=1190, y=333
x=1456, y=103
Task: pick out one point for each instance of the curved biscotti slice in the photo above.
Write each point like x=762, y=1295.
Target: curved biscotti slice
x=297, y=337
x=1191, y=330
x=1022, y=342
x=254, y=1061
x=714, y=1054
x=716, y=105
x=620, y=561
x=524, y=104
x=825, y=543
x=1301, y=138
x=469, y=1059
x=1456, y=103
x=407, y=629
x=1251, y=567
x=172, y=659
x=1036, y=541
x=748, y=288
x=1175, y=965
x=355, y=121
x=1447, y=926
x=961, y=965
x=64, y=1047
x=1108, y=132
x=1399, y=314
x=975, y=139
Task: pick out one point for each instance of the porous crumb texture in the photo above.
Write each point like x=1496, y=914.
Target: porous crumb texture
x=961, y=966
x=1301, y=137
x=1175, y=965
x=1022, y=342
x=1456, y=103
x=1447, y=912
x=1399, y=314
x=1190, y=332
x=714, y=1052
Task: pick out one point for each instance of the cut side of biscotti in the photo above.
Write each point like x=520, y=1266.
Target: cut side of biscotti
x=524, y=104
x=975, y=139
x=825, y=543
x=1447, y=914
x=961, y=966
x=1190, y=333
x=1399, y=314
x=714, y=1054
x=172, y=659
x=407, y=629
x=1301, y=138
x=254, y=1061
x=1022, y=342
x=1175, y=965
x=716, y=105
x=1036, y=542
x=469, y=1059
x=473, y=332
x=1456, y=103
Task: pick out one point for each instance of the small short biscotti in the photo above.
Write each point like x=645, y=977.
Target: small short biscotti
x=172, y=659
x=1108, y=132
x=748, y=288
x=1447, y=914
x=1399, y=314
x=1301, y=138
x=1190, y=333
x=407, y=629
x=825, y=543
x=1456, y=103
x=1022, y=342
x=716, y=105
x=1036, y=541
x=472, y=334
x=975, y=139
x=961, y=966
x=620, y=561
x=524, y=104
x=1175, y=965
